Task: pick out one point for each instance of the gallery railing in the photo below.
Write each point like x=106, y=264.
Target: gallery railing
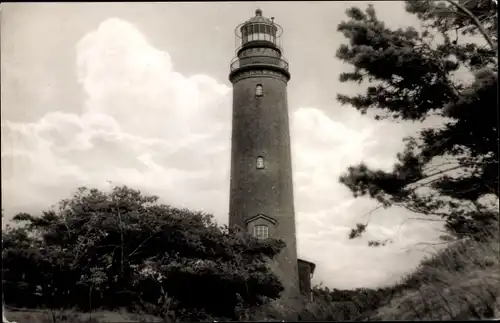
x=258, y=60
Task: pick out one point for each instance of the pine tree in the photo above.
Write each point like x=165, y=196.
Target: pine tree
x=448, y=170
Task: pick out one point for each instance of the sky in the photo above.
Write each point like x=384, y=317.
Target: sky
x=137, y=94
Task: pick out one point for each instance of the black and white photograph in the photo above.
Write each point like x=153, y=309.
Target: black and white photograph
x=249, y=161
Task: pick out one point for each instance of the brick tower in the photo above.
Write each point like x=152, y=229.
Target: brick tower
x=261, y=190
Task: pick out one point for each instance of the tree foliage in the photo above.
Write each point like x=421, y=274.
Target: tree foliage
x=111, y=250
x=415, y=75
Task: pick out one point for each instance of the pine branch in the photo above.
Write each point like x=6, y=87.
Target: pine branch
x=477, y=23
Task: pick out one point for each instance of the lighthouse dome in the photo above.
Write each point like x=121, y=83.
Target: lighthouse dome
x=259, y=18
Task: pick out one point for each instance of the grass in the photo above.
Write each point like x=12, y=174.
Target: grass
x=69, y=315
x=458, y=283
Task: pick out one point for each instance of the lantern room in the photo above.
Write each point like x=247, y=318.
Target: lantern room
x=258, y=46
x=258, y=31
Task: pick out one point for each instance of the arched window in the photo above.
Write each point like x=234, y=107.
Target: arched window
x=258, y=90
x=260, y=162
x=261, y=231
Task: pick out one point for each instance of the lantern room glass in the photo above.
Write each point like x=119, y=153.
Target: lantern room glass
x=258, y=32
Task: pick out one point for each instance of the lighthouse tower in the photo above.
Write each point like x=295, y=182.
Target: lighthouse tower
x=261, y=190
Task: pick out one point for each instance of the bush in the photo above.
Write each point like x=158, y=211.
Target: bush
x=123, y=249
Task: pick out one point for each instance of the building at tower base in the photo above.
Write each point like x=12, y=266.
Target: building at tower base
x=306, y=271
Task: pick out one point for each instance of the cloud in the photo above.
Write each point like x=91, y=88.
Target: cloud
x=143, y=124
x=147, y=126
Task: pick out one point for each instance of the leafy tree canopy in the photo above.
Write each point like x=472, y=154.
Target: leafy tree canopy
x=115, y=249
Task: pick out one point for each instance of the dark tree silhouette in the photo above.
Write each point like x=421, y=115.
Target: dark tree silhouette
x=447, y=170
x=123, y=249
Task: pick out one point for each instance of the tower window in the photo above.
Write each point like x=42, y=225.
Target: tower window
x=258, y=90
x=260, y=162
x=261, y=231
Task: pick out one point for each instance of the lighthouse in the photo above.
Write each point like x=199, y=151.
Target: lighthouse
x=261, y=189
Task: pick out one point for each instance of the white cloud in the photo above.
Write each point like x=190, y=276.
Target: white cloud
x=147, y=126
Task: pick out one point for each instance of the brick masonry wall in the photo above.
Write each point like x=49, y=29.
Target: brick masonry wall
x=261, y=128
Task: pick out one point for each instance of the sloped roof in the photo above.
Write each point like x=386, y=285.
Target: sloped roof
x=312, y=265
x=261, y=216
